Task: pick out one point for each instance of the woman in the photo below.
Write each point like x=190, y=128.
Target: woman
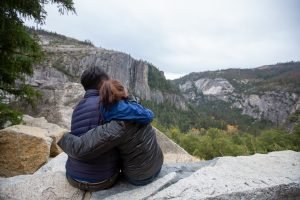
x=116, y=105
x=140, y=153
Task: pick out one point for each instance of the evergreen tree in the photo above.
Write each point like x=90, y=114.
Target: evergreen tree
x=19, y=50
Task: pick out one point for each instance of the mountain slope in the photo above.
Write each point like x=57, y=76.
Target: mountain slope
x=58, y=76
x=266, y=93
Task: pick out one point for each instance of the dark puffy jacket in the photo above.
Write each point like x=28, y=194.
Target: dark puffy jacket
x=86, y=116
x=140, y=153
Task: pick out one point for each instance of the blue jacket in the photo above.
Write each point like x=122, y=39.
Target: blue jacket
x=86, y=116
x=127, y=110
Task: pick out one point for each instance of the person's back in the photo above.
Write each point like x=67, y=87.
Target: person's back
x=86, y=116
x=141, y=155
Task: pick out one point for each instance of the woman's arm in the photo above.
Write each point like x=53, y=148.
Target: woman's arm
x=128, y=111
x=94, y=142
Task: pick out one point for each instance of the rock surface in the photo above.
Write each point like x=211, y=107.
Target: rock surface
x=51, y=185
x=54, y=131
x=238, y=175
x=58, y=77
x=262, y=176
x=23, y=149
x=270, y=105
x=48, y=182
x=57, y=103
x=275, y=106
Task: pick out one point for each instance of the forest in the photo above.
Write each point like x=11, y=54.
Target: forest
x=206, y=137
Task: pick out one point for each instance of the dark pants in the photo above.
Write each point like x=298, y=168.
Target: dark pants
x=108, y=183
x=142, y=182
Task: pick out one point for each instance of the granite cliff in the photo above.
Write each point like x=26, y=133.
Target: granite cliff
x=268, y=92
x=58, y=76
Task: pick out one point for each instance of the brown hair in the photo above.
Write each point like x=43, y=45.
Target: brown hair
x=112, y=91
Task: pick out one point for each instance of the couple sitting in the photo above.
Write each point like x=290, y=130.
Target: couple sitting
x=110, y=136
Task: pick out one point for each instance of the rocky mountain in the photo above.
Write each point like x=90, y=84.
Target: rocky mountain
x=269, y=92
x=58, y=76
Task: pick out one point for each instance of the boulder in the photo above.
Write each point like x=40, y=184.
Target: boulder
x=124, y=190
x=23, y=149
x=49, y=182
x=51, y=185
x=272, y=176
x=52, y=130
x=56, y=164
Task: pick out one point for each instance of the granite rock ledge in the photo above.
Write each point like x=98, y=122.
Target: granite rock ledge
x=261, y=176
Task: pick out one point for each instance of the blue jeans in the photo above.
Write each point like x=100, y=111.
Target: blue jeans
x=142, y=182
x=108, y=183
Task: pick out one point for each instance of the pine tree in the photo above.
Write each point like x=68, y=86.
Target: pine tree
x=19, y=49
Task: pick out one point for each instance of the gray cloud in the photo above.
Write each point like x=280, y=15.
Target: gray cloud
x=184, y=36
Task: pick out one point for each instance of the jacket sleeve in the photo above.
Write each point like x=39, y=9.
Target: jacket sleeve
x=128, y=111
x=94, y=142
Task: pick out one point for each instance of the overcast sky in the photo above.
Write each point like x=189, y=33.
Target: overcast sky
x=183, y=36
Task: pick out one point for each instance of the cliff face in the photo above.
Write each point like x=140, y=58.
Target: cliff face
x=269, y=93
x=58, y=76
x=65, y=63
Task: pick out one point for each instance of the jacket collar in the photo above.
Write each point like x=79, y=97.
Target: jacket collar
x=91, y=92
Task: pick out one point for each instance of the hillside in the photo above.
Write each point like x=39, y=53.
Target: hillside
x=278, y=77
x=57, y=77
x=265, y=93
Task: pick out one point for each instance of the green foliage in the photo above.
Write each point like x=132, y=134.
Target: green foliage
x=58, y=39
x=167, y=115
x=19, y=50
x=295, y=117
x=215, y=142
x=296, y=129
x=221, y=110
x=58, y=64
x=157, y=80
x=273, y=140
x=216, y=114
x=207, y=137
x=7, y=115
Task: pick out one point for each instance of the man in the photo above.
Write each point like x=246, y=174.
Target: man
x=102, y=171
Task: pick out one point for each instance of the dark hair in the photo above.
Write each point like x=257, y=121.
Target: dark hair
x=92, y=78
x=111, y=92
